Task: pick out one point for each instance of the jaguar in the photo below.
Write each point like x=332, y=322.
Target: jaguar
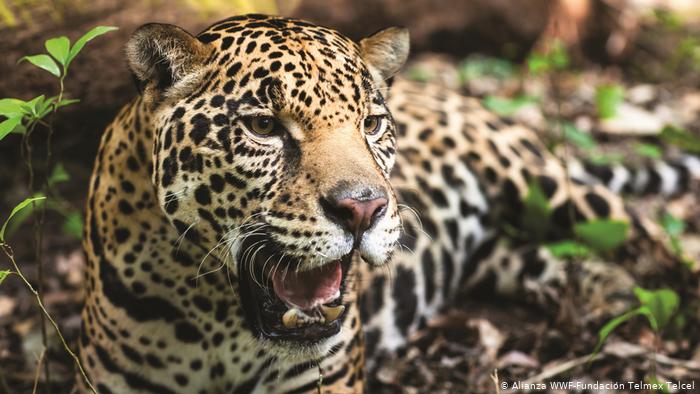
x=277, y=208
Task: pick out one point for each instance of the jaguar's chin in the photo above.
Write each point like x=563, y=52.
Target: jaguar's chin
x=284, y=304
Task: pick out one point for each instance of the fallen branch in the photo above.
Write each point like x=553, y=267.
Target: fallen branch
x=623, y=349
x=619, y=349
x=561, y=368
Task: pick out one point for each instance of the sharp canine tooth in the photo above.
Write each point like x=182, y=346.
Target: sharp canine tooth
x=290, y=319
x=331, y=313
x=294, y=317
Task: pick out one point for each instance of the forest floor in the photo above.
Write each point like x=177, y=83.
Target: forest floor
x=479, y=343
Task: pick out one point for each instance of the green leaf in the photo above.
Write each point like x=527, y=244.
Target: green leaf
x=558, y=57
x=11, y=107
x=73, y=225
x=610, y=326
x=58, y=47
x=58, y=175
x=569, y=248
x=20, y=218
x=537, y=63
x=4, y=274
x=662, y=304
x=32, y=106
x=60, y=207
x=648, y=150
x=681, y=138
x=536, y=212
x=9, y=125
x=39, y=106
x=19, y=129
x=555, y=58
x=44, y=107
x=65, y=102
x=537, y=200
x=578, y=137
x=602, y=235
x=602, y=159
x=44, y=62
x=16, y=209
x=505, y=106
x=78, y=46
x=607, y=99
x=673, y=226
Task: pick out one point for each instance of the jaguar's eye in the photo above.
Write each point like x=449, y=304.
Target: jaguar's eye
x=373, y=124
x=262, y=125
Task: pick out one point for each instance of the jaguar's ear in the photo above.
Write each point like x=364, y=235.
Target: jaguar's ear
x=385, y=52
x=166, y=61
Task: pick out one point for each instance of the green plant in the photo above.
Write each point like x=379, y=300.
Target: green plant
x=569, y=249
x=607, y=98
x=681, y=138
x=602, y=235
x=592, y=237
x=599, y=236
x=507, y=106
x=7, y=249
x=577, y=137
x=14, y=212
x=606, y=158
x=536, y=213
x=648, y=150
x=24, y=117
x=674, y=227
x=554, y=58
x=72, y=218
x=657, y=306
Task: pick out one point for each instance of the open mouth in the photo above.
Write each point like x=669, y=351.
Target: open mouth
x=282, y=303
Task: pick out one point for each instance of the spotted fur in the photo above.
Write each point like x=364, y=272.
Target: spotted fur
x=180, y=182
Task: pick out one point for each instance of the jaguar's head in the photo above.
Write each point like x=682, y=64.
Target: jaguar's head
x=273, y=144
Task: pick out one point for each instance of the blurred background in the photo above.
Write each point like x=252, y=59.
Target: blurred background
x=621, y=76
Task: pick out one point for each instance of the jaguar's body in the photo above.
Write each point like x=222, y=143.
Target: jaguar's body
x=263, y=167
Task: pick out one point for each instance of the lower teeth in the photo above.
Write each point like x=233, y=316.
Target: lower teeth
x=294, y=317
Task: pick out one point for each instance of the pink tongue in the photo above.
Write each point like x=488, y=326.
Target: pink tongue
x=309, y=288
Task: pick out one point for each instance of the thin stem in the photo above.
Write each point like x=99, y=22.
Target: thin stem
x=50, y=130
x=38, y=226
x=38, y=368
x=10, y=255
x=39, y=221
x=49, y=126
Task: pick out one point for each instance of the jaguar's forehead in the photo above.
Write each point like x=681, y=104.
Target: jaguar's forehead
x=278, y=31
x=296, y=65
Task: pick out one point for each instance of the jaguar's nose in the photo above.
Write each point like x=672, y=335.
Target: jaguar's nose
x=355, y=214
